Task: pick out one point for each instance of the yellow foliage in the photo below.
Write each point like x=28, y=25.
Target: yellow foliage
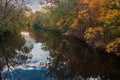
x=83, y=14
x=62, y=22
x=91, y=33
x=114, y=47
x=75, y=23
x=59, y=23
x=112, y=13
x=100, y=7
x=93, y=3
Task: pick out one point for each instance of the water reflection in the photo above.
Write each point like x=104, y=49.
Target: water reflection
x=74, y=60
x=35, y=63
x=55, y=57
x=12, y=52
x=23, y=33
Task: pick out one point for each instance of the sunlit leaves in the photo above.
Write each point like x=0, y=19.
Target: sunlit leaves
x=95, y=21
x=75, y=23
x=113, y=19
x=94, y=32
x=114, y=47
x=59, y=23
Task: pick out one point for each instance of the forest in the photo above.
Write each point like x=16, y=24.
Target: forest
x=94, y=23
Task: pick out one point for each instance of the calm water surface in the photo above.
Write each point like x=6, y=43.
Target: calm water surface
x=54, y=57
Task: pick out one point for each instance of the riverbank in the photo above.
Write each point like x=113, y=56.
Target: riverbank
x=93, y=47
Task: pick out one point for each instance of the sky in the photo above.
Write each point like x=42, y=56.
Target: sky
x=34, y=5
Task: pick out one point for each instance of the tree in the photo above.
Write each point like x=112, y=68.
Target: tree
x=12, y=17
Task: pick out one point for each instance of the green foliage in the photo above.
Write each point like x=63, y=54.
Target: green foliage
x=12, y=20
x=113, y=21
x=53, y=16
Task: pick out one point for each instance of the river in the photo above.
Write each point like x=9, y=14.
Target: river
x=54, y=57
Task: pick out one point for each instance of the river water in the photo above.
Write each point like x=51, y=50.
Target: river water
x=54, y=57
x=35, y=68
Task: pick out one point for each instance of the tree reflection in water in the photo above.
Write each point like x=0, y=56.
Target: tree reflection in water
x=74, y=60
x=13, y=52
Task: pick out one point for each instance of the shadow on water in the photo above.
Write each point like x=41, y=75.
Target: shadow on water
x=56, y=57
x=72, y=59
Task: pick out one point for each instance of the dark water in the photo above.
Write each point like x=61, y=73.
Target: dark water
x=55, y=57
x=72, y=59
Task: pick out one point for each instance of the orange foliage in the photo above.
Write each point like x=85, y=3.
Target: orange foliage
x=75, y=23
x=59, y=23
x=92, y=33
x=114, y=47
x=84, y=1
